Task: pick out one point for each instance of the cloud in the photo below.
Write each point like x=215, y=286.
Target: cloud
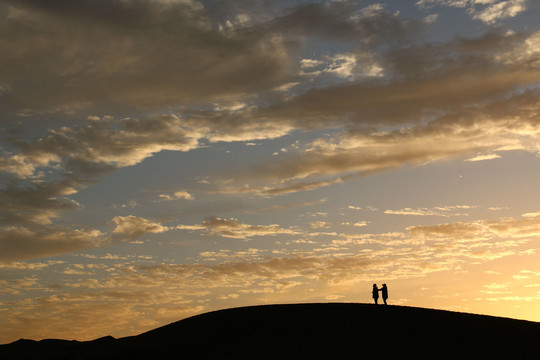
x=487, y=11
x=100, y=146
x=357, y=224
x=130, y=53
x=146, y=54
x=182, y=194
x=415, y=97
x=19, y=243
x=29, y=266
x=35, y=203
x=360, y=153
x=449, y=93
x=319, y=225
x=445, y=211
x=232, y=228
x=425, y=80
x=71, y=158
x=484, y=239
x=484, y=157
x=531, y=214
x=453, y=99
x=281, y=188
x=250, y=254
x=160, y=54
x=515, y=228
x=349, y=66
x=168, y=291
x=435, y=248
x=501, y=10
x=132, y=227
x=343, y=21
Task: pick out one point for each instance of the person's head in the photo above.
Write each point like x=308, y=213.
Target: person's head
x=374, y=285
x=383, y=285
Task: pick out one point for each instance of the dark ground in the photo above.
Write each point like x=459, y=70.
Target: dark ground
x=308, y=331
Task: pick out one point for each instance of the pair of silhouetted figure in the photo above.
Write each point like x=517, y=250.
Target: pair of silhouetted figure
x=384, y=293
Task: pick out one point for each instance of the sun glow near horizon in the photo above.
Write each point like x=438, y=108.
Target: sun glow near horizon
x=164, y=159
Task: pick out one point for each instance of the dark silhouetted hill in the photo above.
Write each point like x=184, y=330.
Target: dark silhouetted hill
x=308, y=331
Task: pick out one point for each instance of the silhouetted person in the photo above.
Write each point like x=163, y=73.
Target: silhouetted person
x=384, y=291
x=375, y=293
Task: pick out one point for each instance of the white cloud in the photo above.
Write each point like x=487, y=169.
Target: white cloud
x=182, y=194
x=349, y=66
x=310, y=63
x=132, y=227
x=484, y=157
x=531, y=215
x=372, y=10
x=487, y=11
x=445, y=211
x=500, y=10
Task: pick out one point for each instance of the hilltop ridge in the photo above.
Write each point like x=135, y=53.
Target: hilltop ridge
x=307, y=331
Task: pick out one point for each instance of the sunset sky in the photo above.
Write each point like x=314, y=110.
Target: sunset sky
x=165, y=158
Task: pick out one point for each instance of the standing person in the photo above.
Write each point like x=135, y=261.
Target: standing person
x=375, y=293
x=384, y=291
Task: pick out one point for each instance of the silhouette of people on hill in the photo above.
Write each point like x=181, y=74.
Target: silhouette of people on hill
x=375, y=293
x=384, y=293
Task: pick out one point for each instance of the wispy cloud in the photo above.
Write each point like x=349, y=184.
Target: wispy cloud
x=345, y=260
x=487, y=11
x=484, y=157
x=445, y=211
x=232, y=228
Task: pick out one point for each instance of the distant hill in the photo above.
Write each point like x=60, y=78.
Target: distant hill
x=308, y=331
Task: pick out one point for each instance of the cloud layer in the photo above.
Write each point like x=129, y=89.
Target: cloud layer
x=205, y=74
x=156, y=292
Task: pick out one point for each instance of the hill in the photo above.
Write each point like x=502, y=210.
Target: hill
x=308, y=331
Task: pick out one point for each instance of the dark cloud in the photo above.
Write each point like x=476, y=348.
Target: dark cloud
x=507, y=123
x=64, y=56
x=344, y=21
x=142, y=14
x=19, y=242
x=102, y=144
x=67, y=55
x=408, y=100
x=416, y=84
x=74, y=57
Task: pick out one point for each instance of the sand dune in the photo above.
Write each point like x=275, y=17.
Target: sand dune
x=308, y=331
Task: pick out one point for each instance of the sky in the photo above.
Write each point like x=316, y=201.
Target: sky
x=165, y=158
